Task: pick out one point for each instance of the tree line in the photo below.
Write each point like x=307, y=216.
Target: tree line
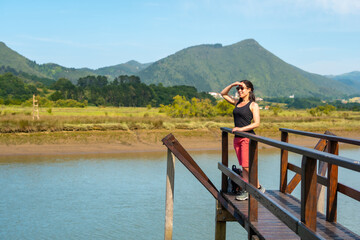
x=128, y=91
x=313, y=102
x=124, y=90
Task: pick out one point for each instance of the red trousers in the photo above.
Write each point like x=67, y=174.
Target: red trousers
x=241, y=146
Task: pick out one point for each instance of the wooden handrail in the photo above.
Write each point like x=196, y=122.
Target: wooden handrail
x=307, y=173
x=305, y=227
x=322, y=136
x=311, y=153
x=342, y=188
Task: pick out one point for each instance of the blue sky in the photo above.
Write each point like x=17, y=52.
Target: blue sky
x=319, y=36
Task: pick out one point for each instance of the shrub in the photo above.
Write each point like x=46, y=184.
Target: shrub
x=276, y=110
x=320, y=110
x=69, y=103
x=183, y=108
x=43, y=102
x=223, y=108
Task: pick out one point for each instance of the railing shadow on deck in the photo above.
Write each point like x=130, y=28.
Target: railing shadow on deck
x=305, y=227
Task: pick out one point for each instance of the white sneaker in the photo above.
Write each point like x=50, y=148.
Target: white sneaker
x=244, y=195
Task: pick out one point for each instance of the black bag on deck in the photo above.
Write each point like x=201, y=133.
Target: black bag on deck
x=232, y=186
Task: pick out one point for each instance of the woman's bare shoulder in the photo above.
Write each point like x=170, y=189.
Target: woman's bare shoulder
x=254, y=105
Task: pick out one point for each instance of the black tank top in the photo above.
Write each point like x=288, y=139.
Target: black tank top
x=243, y=116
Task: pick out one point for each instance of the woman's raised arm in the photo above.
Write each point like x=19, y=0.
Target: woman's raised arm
x=225, y=93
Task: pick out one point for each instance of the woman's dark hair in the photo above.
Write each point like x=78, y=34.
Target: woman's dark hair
x=248, y=84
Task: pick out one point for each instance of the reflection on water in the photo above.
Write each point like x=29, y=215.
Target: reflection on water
x=122, y=196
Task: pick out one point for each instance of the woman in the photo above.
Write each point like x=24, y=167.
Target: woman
x=246, y=118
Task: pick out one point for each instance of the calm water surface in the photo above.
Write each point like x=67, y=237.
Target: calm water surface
x=122, y=196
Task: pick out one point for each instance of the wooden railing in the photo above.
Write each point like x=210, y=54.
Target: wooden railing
x=306, y=227
x=331, y=182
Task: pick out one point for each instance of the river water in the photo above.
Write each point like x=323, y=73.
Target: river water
x=122, y=196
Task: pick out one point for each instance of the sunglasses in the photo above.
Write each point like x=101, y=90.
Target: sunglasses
x=239, y=88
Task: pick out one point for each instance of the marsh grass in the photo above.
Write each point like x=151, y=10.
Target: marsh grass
x=94, y=123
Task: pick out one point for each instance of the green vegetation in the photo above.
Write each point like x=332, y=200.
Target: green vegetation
x=307, y=103
x=205, y=67
x=320, y=110
x=94, y=90
x=183, y=108
x=128, y=68
x=13, y=90
x=212, y=67
x=125, y=125
x=19, y=119
x=30, y=70
x=352, y=79
x=10, y=58
x=28, y=78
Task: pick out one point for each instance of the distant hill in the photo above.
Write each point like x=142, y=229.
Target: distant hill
x=352, y=79
x=208, y=67
x=12, y=59
x=212, y=67
x=129, y=68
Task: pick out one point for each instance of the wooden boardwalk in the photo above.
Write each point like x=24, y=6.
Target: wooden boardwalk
x=270, y=227
x=275, y=214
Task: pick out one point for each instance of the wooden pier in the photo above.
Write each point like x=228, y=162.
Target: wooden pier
x=276, y=214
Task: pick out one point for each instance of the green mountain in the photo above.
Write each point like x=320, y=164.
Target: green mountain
x=206, y=67
x=129, y=68
x=351, y=79
x=19, y=63
x=56, y=71
x=212, y=67
x=10, y=58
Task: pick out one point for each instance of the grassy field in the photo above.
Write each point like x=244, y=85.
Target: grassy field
x=125, y=124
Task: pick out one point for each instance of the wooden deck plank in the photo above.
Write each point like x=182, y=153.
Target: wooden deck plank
x=328, y=230
x=270, y=227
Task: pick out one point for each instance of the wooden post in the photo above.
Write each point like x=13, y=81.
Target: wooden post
x=35, y=108
x=169, y=208
x=220, y=226
x=332, y=183
x=253, y=178
x=320, y=191
x=322, y=168
x=224, y=159
x=308, y=192
x=284, y=163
